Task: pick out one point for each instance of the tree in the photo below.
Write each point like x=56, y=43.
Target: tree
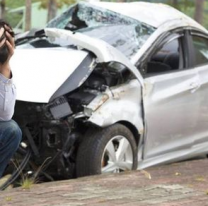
x=2, y=5
x=27, y=14
x=52, y=9
x=175, y=3
x=199, y=10
x=53, y=5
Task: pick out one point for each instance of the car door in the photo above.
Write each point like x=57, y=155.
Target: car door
x=200, y=62
x=171, y=100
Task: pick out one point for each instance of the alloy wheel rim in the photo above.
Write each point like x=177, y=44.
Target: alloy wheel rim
x=117, y=156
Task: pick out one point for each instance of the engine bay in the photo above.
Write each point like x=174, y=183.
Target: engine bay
x=55, y=130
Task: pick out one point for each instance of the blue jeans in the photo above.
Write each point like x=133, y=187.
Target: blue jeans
x=10, y=137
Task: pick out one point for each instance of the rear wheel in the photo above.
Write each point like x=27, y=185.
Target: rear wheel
x=109, y=150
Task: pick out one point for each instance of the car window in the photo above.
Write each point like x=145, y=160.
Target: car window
x=200, y=50
x=167, y=58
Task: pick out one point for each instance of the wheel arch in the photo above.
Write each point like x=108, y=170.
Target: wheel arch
x=133, y=129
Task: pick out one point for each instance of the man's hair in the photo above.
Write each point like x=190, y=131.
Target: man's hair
x=4, y=52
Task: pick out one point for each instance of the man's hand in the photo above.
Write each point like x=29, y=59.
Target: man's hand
x=9, y=41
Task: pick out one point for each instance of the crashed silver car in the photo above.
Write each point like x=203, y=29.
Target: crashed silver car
x=110, y=87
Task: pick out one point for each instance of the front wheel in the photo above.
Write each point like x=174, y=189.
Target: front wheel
x=109, y=150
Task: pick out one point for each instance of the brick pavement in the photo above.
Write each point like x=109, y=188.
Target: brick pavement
x=181, y=184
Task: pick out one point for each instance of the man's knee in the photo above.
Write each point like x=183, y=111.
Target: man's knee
x=12, y=132
x=15, y=131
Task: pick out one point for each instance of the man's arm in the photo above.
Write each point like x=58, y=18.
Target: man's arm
x=7, y=88
x=9, y=41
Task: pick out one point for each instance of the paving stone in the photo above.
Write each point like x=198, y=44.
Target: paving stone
x=180, y=184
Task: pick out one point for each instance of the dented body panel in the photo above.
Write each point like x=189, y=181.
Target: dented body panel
x=122, y=105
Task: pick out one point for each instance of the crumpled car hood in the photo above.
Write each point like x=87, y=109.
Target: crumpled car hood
x=37, y=74
x=104, y=51
x=40, y=77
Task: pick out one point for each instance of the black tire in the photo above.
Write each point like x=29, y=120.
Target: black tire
x=91, y=149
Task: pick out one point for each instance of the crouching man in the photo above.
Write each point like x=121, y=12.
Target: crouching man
x=10, y=133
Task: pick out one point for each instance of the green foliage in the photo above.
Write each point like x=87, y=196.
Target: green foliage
x=27, y=183
x=188, y=7
x=16, y=4
x=12, y=18
x=205, y=21
x=59, y=3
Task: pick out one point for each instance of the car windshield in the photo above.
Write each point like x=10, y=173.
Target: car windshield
x=122, y=32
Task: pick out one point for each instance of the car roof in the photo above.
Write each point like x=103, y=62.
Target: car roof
x=154, y=14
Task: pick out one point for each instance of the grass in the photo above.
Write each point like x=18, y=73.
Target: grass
x=27, y=183
x=29, y=179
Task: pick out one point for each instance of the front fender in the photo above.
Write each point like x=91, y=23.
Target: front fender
x=124, y=104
